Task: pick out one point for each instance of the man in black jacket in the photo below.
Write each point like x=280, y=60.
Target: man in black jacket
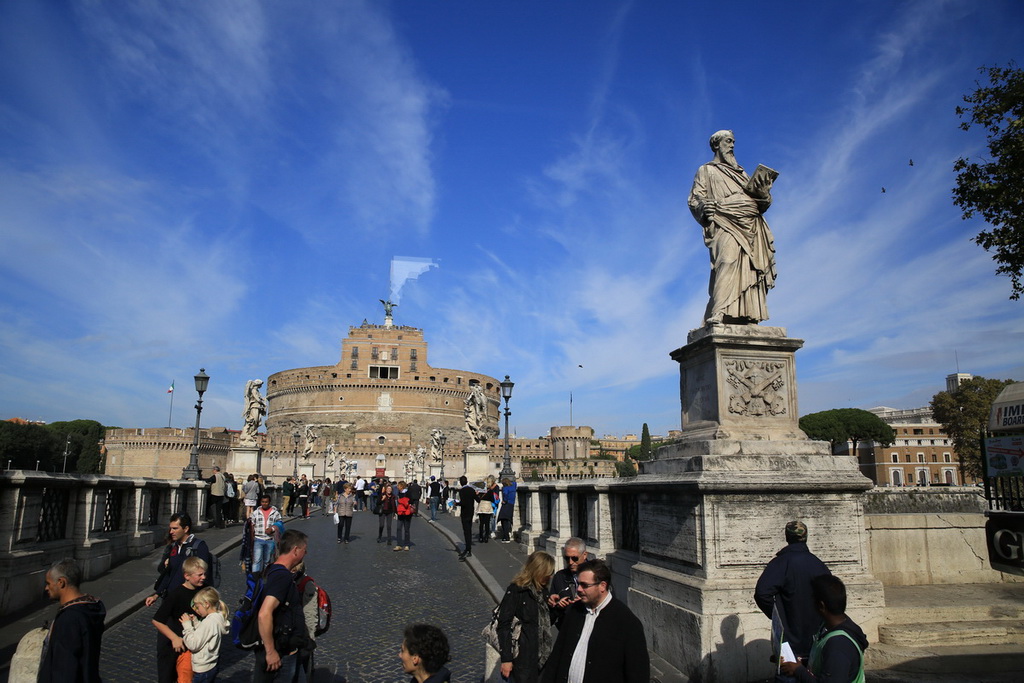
x=563, y=583
x=71, y=651
x=786, y=583
x=615, y=651
x=467, y=509
x=183, y=545
x=415, y=494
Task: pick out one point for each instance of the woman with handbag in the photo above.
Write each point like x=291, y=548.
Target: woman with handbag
x=485, y=510
x=343, y=507
x=525, y=601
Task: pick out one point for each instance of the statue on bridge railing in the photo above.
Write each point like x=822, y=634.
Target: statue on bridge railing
x=255, y=410
x=475, y=413
x=311, y=437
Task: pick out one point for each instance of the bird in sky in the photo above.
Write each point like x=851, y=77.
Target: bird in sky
x=911, y=162
x=883, y=190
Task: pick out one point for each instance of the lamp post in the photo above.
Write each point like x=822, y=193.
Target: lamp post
x=296, y=437
x=191, y=472
x=67, y=446
x=506, y=393
x=442, y=439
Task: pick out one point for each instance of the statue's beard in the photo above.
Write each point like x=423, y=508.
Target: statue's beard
x=730, y=158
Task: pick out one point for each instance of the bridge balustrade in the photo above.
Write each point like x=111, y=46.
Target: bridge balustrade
x=98, y=520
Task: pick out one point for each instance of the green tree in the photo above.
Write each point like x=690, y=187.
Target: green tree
x=24, y=445
x=646, y=451
x=993, y=188
x=82, y=439
x=964, y=415
x=625, y=468
x=842, y=425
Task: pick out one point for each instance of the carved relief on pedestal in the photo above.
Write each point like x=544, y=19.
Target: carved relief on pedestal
x=757, y=387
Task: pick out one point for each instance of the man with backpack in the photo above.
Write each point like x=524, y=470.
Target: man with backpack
x=181, y=545
x=282, y=626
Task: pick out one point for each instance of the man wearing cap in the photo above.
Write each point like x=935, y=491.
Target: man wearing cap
x=216, y=502
x=786, y=584
x=434, y=494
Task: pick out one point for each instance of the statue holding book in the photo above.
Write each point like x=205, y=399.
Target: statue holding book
x=730, y=206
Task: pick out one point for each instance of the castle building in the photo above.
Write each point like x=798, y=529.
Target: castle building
x=374, y=407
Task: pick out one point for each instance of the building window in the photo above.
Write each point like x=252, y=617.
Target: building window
x=383, y=372
x=355, y=352
x=950, y=476
x=355, y=365
x=920, y=457
x=945, y=457
x=935, y=458
x=896, y=477
x=375, y=353
x=381, y=440
x=412, y=355
x=919, y=431
x=907, y=458
x=895, y=457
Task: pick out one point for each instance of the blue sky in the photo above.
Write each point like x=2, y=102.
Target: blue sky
x=224, y=185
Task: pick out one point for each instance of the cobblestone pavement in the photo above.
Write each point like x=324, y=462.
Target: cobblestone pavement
x=375, y=592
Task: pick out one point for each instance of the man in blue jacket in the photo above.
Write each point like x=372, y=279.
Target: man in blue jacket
x=786, y=584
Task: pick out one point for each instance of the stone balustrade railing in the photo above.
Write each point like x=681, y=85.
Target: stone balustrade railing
x=99, y=520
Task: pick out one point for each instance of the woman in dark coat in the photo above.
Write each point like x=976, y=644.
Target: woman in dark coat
x=526, y=599
x=386, y=509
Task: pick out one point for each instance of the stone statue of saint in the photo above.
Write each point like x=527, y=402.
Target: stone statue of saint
x=255, y=410
x=311, y=437
x=475, y=412
x=330, y=455
x=410, y=466
x=435, y=444
x=730, y=205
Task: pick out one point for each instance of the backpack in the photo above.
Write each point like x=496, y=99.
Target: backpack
x=405, y=506
x=245, y=626
x=323, y=605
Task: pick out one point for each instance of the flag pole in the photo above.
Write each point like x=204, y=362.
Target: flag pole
x=171, y=409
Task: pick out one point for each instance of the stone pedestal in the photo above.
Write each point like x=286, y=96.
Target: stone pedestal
x=739, y=382
x=476, y=462
x=742, y=471
x=246, y=460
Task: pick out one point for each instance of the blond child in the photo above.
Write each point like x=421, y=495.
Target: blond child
x=174, y=661
x=202, y=635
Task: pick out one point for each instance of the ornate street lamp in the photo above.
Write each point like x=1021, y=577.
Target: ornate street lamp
x=506, y=393
x=296, y=437
x=191, y=472
x=442, y=439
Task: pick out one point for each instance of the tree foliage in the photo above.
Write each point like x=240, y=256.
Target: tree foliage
x=625, y=469
x=842, y=425
x=646, y=450
x=964, y=415
x=993, y=188
x=25, y=445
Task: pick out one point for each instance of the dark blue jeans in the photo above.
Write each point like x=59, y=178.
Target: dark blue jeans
x=286, y=674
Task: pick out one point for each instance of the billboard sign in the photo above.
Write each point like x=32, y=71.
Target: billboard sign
x=1005, y=456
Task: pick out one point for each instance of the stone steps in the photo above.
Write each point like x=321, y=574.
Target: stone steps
x=953, y=633
x=966, y=662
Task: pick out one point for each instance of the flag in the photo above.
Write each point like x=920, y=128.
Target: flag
x=171, y=389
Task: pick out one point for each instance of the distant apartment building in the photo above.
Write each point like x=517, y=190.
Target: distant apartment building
x=921, y=455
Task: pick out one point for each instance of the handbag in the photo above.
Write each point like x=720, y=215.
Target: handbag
x=490, y=633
